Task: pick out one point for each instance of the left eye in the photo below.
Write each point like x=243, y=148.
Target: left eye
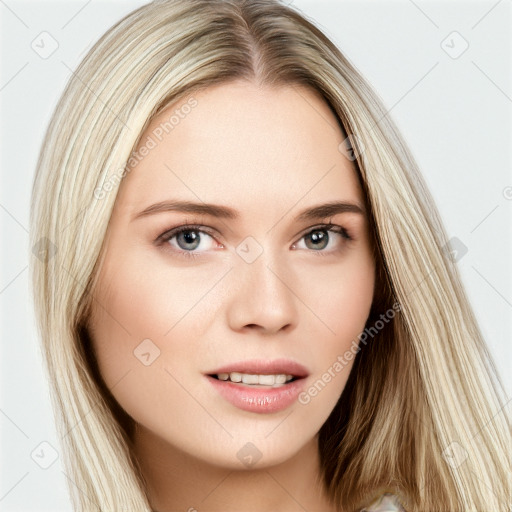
x=320, y=237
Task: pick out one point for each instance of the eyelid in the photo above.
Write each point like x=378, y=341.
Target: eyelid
x=327, y=226
x=169, y=233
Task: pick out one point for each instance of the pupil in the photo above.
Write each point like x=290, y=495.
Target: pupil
x=319, y=237
x=190, y=237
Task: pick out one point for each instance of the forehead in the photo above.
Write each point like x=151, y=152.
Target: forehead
x=255, y=148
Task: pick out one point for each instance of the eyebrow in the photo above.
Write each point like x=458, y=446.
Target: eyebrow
x=320, y=211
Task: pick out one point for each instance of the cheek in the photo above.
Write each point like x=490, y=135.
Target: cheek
x=137, y=300
x=129, y=309
x=341, y=297
x=352, y=296
x=145, y=324
x=341, y=312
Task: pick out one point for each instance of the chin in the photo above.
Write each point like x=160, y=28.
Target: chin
x=246, y=452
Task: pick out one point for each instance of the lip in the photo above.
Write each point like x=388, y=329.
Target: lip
x=264, y=367
x=258, y=399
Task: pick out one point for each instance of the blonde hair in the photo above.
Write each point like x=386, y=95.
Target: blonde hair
x=423, y=387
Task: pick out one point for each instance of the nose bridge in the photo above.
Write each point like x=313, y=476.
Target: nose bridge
x=266, y=275
x=262, y=294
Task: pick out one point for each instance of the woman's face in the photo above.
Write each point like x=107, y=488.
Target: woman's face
x=256, y=286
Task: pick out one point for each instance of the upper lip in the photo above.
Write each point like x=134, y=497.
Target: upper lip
x=264, y=367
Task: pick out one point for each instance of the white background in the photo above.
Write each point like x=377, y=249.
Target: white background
x=455, y=115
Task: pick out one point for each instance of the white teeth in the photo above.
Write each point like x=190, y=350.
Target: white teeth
x=235, y=377
x=281, y=379
x=250, y=379
x=267, y=380
x=262, y=380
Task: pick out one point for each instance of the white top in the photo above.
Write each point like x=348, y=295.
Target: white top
x=386, y=503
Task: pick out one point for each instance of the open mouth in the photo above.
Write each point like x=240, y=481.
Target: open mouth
x=260, y=386
x=256, y=380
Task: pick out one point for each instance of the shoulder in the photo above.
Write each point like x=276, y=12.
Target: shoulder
x=386, y=503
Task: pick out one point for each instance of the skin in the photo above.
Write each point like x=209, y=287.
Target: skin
x=268, y=153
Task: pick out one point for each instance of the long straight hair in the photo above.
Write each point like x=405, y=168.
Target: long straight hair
x=423, y=412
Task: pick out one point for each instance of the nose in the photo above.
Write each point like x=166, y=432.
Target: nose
x=262, y=298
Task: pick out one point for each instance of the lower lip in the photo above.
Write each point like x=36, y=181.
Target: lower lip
x=259, y=400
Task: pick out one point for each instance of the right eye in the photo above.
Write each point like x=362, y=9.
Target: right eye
x=186, y=240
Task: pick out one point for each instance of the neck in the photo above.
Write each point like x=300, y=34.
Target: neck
x=177, y=481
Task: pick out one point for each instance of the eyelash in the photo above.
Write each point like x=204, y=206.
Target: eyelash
x=169, y=234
